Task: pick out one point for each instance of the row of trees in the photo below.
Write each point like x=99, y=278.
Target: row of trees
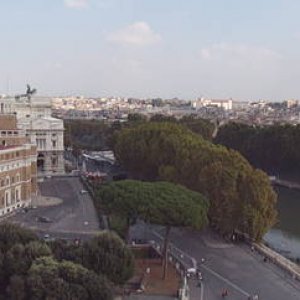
x=32, y=269
x=87, y=134
x=241, y=197
x=161, y=203
x=199, y=126
x=96, y=135
x=271, y=148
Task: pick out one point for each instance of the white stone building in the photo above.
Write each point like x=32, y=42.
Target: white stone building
x=46, y=132
x=226, y=104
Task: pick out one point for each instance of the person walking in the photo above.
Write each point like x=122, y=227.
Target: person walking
x=224, y=293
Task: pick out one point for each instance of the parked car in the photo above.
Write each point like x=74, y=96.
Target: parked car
x=44, y=219
x=48, y=238
x=83, y=192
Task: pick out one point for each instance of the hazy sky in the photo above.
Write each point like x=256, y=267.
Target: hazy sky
x=244, y=49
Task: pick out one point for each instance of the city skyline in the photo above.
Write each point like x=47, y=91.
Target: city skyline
x=139, y=48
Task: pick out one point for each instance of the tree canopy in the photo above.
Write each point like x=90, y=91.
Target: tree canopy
x=168, y=151
x=30, y=270
x=49, y=279
x=271, y=148
x=98, y=135
x=105, y=254
x=87, y=134
x=108, y=254
x=161, y=203
x=11, y=234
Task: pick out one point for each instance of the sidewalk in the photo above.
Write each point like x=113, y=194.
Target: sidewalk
x=279, y=260
x=45, y=201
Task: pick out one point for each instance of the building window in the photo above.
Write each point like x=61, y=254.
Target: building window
x=7, y=198
x=18, y=177
x=12, y=197
x=41, y=143
x=18, y=194
x=54, y=161
x=7, y=180
x=12, y=180
x=54, y=144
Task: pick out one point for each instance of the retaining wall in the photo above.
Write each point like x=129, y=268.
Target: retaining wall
x=279, y=260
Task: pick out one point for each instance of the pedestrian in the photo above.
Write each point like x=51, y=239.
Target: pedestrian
x=224, y=293
x=233, y=237
x=199, y=275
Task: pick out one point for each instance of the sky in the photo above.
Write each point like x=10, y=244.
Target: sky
x=240, y=49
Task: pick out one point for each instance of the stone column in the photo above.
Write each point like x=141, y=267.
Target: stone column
x=47, y=162
x=60, y=162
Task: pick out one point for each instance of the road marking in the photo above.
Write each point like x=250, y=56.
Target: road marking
x=225, y=280
x=202, y=291
x=194, y=262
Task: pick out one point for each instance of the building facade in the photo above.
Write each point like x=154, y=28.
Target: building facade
x=18, y=166
x=34, y=117
x=226, y=104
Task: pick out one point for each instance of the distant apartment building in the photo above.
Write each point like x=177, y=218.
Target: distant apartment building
x=18, y=168
x=240, y=105
x=46, y=132
x=220, y=103
x=291, y=103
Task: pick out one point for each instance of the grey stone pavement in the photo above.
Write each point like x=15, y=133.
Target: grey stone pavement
x=74, y=217
x=231, y=266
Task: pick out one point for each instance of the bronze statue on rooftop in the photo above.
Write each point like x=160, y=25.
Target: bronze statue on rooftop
x=29, y=93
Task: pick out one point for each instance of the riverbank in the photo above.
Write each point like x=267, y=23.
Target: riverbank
x=279, y=260
x=284, y=237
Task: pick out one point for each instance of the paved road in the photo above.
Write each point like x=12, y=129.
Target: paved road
x=229, y=266
x=74, y=216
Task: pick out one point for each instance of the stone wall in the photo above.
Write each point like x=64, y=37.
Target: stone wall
x=279, y=260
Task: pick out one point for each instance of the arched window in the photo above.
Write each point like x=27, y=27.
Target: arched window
x=17, y=193
x=18, y=177
x=7, y=198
